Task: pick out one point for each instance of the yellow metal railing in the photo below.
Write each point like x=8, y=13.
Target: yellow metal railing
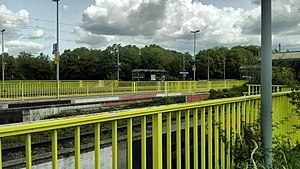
x=201, y=122
x=20, y=90
x=254, y=89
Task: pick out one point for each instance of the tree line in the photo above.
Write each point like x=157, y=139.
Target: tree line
x=95, y=64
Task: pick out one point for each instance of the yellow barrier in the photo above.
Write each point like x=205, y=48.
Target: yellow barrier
x=20, y=90
x=254, y=89
x=226, y=114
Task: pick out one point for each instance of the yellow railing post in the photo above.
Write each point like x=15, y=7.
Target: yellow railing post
x=58, y=90
x=166, y=88
x=77, y=147
x=157, y=140
x=129, y=143
x=97, y=146
x=169, y=141
x=28, y=152
x=22, y=91
x=228, y=131
x=115, y=144
x=187, y=138
x=210, y=140
x=203, y=135
x=222, y=123
x=112, y=88
x=87, y=89
x=195, y=130
x=0, y=153
x=249, y=91
x=54, y=150
x=178, y=140
x=143, y=142
x=216, y=136
x=190, y=87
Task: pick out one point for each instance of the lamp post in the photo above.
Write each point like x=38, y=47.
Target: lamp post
x=224, y=68
x=207, y=66
x=57, y=49
x=3, y=58
x=118, y=63
x=194, y=57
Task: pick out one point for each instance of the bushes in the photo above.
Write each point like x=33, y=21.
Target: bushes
x=247, y=151
x=226, y=93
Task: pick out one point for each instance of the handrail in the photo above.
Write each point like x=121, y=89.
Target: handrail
x=51, y=124
x=233, y=112
x=20, y=90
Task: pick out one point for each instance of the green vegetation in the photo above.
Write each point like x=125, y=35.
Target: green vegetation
x=247, y=151
x=95, y=64
x=227, y=93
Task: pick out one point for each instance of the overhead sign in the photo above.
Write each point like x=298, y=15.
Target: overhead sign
x=184, y=73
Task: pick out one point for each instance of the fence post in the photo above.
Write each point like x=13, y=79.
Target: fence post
x=166, y=88
x=112, y=88
x=157, y=140
x=22, y=91
x=87, y=88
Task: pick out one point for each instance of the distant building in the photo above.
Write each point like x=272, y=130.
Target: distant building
x=148, y=74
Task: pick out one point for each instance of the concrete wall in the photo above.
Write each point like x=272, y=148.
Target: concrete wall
x=87, y=161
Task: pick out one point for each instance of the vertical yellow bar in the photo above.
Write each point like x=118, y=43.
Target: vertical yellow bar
x=228, y=128
x=54, y=150
x=210, y=142
x=178, y=140
x=252, y=111
x=187, y=138
x=195, y=116
x=97, y=146
x=157, y=140
x=129, y=143
x=233, y=120
x=22, y=88
x=77, y=147
x=112, y=88
x=115, y=144
x=239, y=117
x=28, y=152
x=58, y=86
x=203, y=134
x=249, y=90
x=143, y=142
x=244, y=111
x=223, y=133
x=216, y=136
x=87, y=89
x=169, y=141
x=248, y=111
x=256, y=110
x=0, y=153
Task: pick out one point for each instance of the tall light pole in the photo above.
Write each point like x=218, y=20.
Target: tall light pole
x=194, y=57
x=207, y=66
x=3, y=58
x=118, y=63
x=266, y=80
x=224, y=68
x=57, y=49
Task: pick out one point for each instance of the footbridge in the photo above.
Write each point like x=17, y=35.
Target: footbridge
x=187, y=135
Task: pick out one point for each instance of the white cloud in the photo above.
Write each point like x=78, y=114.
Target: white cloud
x=169, y=22
x=166, y=22
x=11, y=21
x=16, y=46
x=37, y=34
x=66, y=7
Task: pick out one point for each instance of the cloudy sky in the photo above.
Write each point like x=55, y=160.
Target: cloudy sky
x=31, y=25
